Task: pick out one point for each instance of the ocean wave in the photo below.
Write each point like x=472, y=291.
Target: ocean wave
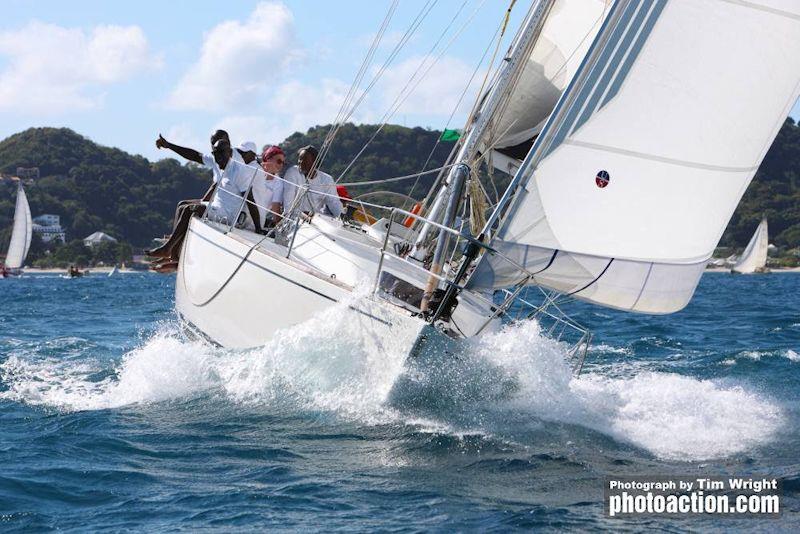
x=758, y=355
x=505, y=384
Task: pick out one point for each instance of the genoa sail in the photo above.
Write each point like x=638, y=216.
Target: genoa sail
x=625, y=193
x=21, y=233
x=566, y=36
x=754, y=257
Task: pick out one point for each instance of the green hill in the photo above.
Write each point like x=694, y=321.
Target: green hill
x=93, y=187
x=774, y=193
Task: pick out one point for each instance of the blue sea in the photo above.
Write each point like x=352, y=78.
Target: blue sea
x=112, y=420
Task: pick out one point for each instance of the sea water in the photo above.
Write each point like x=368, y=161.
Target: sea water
x=110, y=418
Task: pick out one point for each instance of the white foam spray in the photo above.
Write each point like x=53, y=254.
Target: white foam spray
x=512, y=379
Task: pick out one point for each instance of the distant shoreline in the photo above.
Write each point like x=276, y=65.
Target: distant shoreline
x=780, y=270
x=56, y=270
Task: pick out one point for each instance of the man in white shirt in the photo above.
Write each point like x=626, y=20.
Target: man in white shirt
x=233, y=181
x=321, y=194
x=167, y=254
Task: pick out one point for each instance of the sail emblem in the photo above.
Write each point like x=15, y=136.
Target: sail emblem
x=602, y=179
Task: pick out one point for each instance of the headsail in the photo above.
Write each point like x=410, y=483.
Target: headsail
x=566, y=35
x=21, y=233
x=754, y=257
x=626, y=192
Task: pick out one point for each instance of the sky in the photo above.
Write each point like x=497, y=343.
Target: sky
x=120, y=73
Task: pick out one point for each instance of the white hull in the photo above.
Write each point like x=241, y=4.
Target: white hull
x=239, y=295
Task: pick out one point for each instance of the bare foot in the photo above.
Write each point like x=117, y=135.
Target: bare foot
x=158, y=253
x=165, y=267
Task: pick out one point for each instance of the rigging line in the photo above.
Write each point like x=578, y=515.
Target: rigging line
x=396, y=178
x=460, y=99
x=426, y=9
x=403, y=96
x=227, y=280
x=478, y=99
x=475, y=106
x=395, y=104
x=336, y=127
x=367, y=60
x=360, y=74
x=515, y=78
x=593, y=281
x=423, y=13
x=337, y=123
x=449, y=163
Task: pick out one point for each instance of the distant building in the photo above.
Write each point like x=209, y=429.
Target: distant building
x=48, y=227
x=97, y=238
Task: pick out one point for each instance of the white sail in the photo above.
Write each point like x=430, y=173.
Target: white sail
x=632, y=181
x=567, y=34
x=754, y=257
x=21, y=233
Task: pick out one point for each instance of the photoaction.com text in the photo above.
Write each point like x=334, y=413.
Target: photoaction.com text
x=628, y=496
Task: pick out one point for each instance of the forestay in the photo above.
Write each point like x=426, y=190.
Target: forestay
x=21, y=233
x=754, y=256
x=628, y=189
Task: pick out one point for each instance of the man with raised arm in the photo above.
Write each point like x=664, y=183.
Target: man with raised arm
x=231, y=179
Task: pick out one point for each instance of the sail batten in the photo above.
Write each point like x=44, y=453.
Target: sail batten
x=638, y=171
x=21, y=233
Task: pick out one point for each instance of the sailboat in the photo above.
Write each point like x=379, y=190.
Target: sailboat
x=625, y=132
x=21, y=235
x=754, y=257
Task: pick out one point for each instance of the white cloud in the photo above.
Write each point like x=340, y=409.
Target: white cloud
x=293, y=106
x=52, y=69
x=436, y=94
x=243, y=79
x=256, y=128
x=297, y=106
x=183, y=134
x=238, y=61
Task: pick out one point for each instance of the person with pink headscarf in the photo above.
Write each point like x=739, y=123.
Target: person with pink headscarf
x=268, y=193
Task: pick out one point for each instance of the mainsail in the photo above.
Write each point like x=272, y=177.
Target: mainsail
x=21, y=233
x=628, y=188
x=754, y=257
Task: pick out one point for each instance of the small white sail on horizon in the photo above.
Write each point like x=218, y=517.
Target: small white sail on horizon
x=21, y=233
x=754, y=257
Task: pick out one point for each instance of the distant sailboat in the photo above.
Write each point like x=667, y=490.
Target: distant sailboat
x=113, y=271
x=20, y=235
x=754, y=257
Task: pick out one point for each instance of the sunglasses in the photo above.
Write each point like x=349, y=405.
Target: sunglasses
x=280, y=161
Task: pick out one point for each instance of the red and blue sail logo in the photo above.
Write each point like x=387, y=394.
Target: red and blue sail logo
x=602, y=179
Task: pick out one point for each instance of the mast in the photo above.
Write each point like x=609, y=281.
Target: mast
x=452, y=190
